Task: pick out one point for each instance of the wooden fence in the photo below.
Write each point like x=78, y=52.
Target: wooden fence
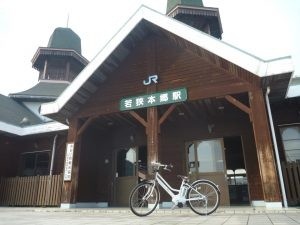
x=291, y=177
x=31, y=191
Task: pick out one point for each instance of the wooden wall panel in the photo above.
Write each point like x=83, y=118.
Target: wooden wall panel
x=13, y=148
x=96, y=177
x=176, y=68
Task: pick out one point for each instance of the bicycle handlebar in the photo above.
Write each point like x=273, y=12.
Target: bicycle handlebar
x=164, y=166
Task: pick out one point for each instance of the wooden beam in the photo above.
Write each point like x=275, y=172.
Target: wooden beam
x=138, y=118
x=85, y=125
x=238, y=104
x=166, y=114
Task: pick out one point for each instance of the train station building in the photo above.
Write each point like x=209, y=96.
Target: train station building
x=165, y=88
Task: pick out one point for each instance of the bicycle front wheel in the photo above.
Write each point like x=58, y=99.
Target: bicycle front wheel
x=203, y=197
x=144, y=199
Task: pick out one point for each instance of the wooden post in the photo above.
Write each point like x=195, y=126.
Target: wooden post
x=264, y=148
x=152, y=129
x=152, y=136
x=69, y=191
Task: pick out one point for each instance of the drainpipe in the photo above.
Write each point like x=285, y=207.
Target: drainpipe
x=276, y=149
x=53, y=154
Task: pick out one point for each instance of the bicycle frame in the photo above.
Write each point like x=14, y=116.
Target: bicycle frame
x=180, y=195
x=164, y=184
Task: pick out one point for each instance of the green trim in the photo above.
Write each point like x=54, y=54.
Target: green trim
x=153, y=99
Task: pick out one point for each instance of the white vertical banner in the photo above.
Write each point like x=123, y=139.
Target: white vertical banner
x=69, y=162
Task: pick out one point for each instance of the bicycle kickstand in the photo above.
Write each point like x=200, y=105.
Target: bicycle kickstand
x=174, y=206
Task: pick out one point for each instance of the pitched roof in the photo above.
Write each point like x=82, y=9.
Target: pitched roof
x=65, y=38
x=143, y=22
x=14, y=113
x=17, y=119
x=44, y=90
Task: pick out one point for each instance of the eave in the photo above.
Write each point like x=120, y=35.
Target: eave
x=34, y=129
x=43, y=52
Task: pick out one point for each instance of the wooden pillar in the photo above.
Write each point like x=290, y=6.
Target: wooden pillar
x=152, y=128
x=264, y=147
x=152, y=136
x=69, y=192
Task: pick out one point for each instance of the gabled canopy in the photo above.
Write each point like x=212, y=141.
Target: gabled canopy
x=146, y=21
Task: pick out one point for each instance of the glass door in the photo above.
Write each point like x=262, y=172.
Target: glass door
x=206, y=160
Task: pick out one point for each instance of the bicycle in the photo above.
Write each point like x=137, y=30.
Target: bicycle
x=202, y=196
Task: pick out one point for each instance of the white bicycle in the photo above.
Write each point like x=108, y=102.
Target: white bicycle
x=202, y=196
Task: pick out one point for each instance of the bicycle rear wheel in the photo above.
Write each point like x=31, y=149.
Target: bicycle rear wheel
x=144, y=199
x=204, y=197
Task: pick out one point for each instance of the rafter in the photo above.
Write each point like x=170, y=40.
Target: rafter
x=85, y=125
x=138, y=118
x=166, y=114
x=238, y=104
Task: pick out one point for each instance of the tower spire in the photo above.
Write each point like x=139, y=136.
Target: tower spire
x=68, y=20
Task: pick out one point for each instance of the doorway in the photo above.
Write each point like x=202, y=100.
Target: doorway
x=206, y=160
x=128, y=163
x=236, y=171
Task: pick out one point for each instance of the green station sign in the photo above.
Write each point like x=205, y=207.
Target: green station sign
x=153, y=99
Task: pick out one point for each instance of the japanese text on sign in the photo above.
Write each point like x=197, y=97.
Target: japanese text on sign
x=154, y=99
x=68, y=162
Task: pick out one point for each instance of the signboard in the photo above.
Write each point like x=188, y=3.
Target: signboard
x=154, y=99
x=68, y=161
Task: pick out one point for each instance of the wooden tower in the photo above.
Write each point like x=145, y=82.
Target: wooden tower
x=193, y=13
x=61, y=60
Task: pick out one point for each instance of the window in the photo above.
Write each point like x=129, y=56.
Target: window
x=206, y=156
x=35, y=163
x=291, y=142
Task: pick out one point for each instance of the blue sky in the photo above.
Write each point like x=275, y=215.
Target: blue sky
x=267, y=29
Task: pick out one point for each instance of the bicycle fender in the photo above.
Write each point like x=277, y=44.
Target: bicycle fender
x=208, y=181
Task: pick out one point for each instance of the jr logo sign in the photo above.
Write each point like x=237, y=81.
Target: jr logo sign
x=151, y=79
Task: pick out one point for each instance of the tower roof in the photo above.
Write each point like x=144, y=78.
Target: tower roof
x=172, y=3
x=65, y=38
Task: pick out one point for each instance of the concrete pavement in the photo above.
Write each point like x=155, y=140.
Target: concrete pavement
x=115, y=216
